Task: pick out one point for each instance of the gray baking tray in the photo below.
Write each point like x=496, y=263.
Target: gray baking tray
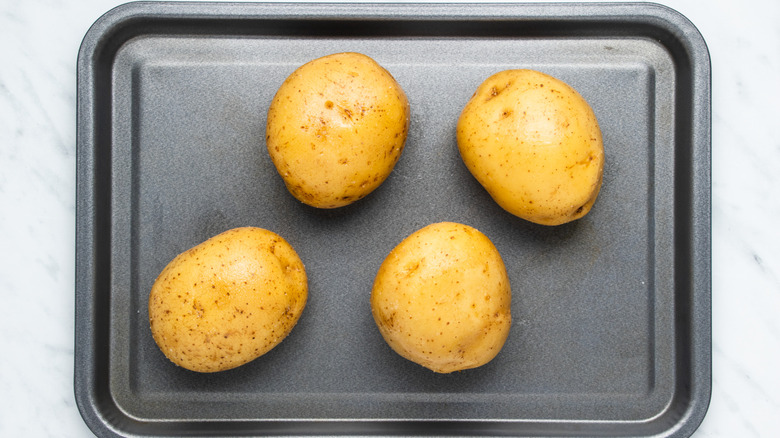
x=611, y=331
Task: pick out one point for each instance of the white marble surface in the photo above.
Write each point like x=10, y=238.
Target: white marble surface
x=39, y=40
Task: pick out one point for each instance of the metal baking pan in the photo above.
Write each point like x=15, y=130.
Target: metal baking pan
x=611, y=314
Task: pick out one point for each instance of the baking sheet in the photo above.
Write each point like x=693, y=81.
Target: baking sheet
x=611, y=314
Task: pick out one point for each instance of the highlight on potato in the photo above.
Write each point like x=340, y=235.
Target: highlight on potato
x=227, y=300
x=336, y=128
x=533, y=142
x=442, y=298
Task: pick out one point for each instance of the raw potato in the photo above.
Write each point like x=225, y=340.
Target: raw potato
x=534, y=143
x=335, y=129
x=228, y=300
x=442, y=298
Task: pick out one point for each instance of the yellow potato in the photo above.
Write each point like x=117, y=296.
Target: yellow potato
x=335, y=129
x=534, y=144
x=228, y=300
x=442, y=298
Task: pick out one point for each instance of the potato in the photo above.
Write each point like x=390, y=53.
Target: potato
x=336, y=128
x=228, y=300
x=442, y=298
x=534, y=144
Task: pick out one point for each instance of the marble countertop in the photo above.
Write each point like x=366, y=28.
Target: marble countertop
x=40, y=40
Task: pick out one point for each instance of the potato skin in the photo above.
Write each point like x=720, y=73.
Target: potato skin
x=442, y=298
x=228, y=300
x=336, y=128
x=535, y=145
